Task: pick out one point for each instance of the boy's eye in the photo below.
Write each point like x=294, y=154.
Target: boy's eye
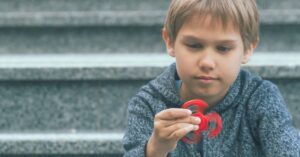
x=223, y=48
x=194, y=46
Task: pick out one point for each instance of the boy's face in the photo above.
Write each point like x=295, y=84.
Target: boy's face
x=208, y=58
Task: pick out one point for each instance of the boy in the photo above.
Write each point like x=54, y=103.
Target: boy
x=210, y=39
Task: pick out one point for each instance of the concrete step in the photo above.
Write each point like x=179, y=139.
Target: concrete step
x=78, y=5
x=122, y=31
x=120, y=18
x=278, y=4
x=75, y=67
x=84, y=93
x=74, y=105
x=61, y=144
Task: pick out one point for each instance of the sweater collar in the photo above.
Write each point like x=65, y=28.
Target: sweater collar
x=232, y=98
x=165, y=85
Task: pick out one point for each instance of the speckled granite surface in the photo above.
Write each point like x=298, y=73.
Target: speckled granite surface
x=61, y=143
x=31, y=29
x=62, y=104
x=90, y=92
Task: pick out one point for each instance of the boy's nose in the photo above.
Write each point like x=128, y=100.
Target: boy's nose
x=206, y=62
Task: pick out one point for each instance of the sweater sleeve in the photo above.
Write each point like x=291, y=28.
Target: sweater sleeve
x=275, y=132
x=139, y=128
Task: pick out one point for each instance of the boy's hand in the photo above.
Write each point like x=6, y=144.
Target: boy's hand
x=170, y=126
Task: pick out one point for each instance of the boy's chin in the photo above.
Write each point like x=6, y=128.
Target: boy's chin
x=210, y=94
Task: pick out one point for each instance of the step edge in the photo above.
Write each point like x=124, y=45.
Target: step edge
x=119, y=18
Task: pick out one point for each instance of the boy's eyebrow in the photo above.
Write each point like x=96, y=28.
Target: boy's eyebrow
x=193, y=38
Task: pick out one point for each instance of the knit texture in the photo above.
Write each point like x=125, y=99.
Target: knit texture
x=256, y=122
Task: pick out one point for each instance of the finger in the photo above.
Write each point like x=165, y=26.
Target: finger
x=173, y=113
x=179, y=126
x=190, y=120
x=168, y=132
x=180, y=132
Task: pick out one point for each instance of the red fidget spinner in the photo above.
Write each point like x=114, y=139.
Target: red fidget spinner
x=211, y=122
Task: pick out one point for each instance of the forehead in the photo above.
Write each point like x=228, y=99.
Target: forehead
x=210, y=22
x=209, y=29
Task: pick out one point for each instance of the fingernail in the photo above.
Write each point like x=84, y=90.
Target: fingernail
x=197, y=119
x=196, y=127
x=189, y=127
x=189, y=111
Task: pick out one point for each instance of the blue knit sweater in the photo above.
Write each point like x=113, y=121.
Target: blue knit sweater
x=256, y=122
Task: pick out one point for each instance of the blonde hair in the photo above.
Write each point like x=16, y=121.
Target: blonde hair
x=242, y=14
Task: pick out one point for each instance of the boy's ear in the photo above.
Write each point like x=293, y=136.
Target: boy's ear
x=248, y=53
x=168, y=43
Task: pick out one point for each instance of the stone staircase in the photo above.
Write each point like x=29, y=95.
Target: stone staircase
x=68, y=68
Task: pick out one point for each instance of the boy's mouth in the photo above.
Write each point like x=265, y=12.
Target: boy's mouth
x=205, y=79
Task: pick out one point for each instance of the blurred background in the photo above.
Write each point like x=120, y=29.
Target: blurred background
x=69, y=67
